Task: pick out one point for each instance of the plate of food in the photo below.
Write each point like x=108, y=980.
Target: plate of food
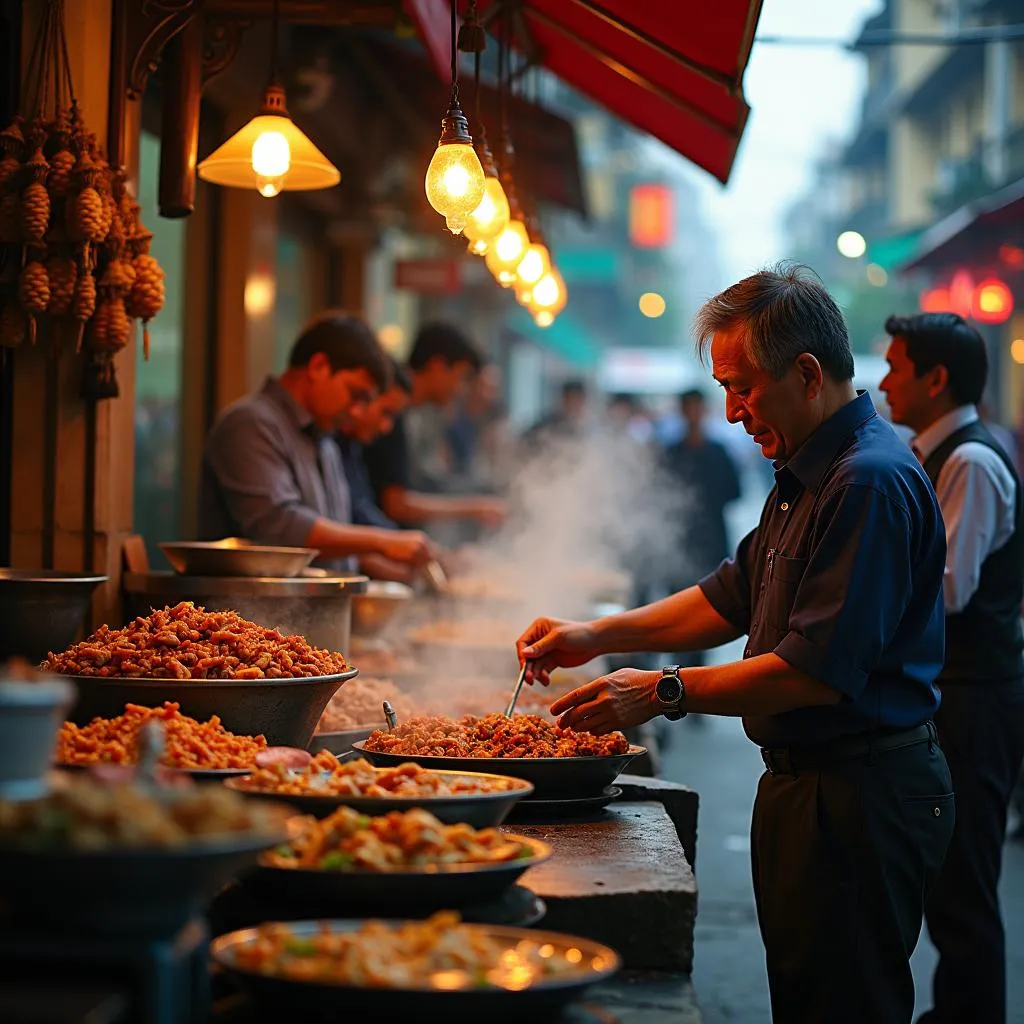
x=401, y=859
x=479, y=799
x=94, y=857
x=201, y=749
x=256, y=680
x=558, y=762
x=438, y=969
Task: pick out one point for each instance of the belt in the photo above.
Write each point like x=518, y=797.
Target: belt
x=790, y=760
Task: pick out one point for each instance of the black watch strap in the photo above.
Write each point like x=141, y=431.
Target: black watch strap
x=673, y=695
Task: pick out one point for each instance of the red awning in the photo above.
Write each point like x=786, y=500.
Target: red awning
x=674, y=70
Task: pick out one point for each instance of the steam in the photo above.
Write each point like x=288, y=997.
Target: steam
x=589, y=517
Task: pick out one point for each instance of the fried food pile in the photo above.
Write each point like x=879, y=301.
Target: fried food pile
x=186, y=642
x=358, y=704
x=188, y=743
x=325, y=775
x=350, y=841
x=437, y=953
x=85, y=815
x=493, y=735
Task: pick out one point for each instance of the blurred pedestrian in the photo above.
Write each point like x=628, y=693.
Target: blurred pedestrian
x=708, y=482
x=937, y=372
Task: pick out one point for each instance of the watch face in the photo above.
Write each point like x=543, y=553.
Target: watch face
x=670, y=689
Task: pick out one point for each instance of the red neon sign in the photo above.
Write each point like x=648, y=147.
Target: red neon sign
x=651, y=216
x=989, y=302
x=993, y=301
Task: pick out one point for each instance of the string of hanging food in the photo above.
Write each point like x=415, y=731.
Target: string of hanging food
x=75, y=256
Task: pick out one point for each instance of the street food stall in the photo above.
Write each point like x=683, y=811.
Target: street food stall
x=243, y=787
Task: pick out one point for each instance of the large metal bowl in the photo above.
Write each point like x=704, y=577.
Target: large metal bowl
x=552, y=777
x=540, y=999
x=141, y=892
x=42, y=611
x=373, y=609
x=481, y=810
x=235, y=557
x=427, y=888
x=284, y=710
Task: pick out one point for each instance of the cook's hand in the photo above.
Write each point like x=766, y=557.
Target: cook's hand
x=622, y=700
x=492, y=512
x=548, y=644
x=410, y=546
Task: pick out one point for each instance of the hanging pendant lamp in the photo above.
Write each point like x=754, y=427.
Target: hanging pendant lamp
x=455, y=180
x=271, y=153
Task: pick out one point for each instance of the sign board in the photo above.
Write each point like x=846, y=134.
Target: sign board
x=429, y=277
x=651, y=216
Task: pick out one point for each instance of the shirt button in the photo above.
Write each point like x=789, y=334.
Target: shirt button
x=784, y=506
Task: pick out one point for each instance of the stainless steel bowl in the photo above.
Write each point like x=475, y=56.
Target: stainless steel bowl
x=42, y=611
x=235, y=557
x=373, y=609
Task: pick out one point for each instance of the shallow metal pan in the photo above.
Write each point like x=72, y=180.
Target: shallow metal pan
x=481, y=810
x=419, y=890
x=552, y=777
x=284, y=710
x=541, y=1000
x=235, y=557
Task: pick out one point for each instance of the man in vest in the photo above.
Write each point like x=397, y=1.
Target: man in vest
x=937, y=372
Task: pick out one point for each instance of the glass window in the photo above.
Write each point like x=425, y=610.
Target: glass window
x=158, y=380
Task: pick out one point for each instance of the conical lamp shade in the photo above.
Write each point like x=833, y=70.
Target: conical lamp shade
x=297, y=167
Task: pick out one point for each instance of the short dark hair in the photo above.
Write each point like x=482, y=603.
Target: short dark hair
x=945, y=339
x=574, y=388
x=783, y=311
x=400, y=376
x=446, y=342
x=693, y=395
x=347, y=341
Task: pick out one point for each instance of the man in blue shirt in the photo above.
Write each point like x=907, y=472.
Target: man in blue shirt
x=839, y=591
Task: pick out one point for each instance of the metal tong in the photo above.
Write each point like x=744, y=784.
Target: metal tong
x=389, y=716
x=510, y=710
x=436, y=576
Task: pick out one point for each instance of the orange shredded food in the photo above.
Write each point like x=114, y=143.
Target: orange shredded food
x=188, y=743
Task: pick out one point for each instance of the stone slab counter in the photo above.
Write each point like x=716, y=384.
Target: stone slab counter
x=621, y=878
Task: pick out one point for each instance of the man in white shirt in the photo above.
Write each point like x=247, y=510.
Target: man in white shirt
x=937, y=372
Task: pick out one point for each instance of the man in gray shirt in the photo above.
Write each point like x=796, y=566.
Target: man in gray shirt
x=272, y=470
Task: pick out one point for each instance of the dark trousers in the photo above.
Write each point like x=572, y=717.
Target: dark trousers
x=981, y=728
x=842, y=858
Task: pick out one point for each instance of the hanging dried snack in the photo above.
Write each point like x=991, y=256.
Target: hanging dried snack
x=146, y=298
x=63, y=274
x=35, y=200
x=62, y=159
x=34, y=293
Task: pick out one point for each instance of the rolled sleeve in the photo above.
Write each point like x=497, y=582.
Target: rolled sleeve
x=842, y=620
x=256, y=483
x=728, y=587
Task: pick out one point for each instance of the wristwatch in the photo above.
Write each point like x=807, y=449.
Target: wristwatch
x=672, y=693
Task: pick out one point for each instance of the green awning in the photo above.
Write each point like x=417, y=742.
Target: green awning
x=890, y=253
x=588, y=266
x=566, y=337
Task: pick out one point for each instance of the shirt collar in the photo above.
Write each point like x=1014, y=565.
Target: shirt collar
x=819, y=451
x=945, y=426
x=282, y=397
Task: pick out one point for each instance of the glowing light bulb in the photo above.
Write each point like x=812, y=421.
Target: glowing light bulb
x=271, y=161
x=491, y=216
x=549, y=293
x=479, y=247
x=536, y=262
x=543, y=318
x=455, y=224
x=506, y=252
x=455, y=181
